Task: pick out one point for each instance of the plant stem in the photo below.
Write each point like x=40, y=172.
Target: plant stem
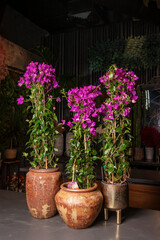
x=85, y=147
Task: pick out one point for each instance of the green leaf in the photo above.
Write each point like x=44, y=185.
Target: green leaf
x=94, y=152
x=110, y=170
x=122, y=147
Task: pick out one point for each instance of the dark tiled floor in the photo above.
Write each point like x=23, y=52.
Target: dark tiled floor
x=16, y=223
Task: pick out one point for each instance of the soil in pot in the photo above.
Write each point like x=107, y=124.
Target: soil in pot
x=41, y=188
x=79, y=207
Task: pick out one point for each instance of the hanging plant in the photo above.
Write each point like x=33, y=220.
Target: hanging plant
x=133, y=53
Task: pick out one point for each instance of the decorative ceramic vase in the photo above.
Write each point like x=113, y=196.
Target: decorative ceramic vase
x=115, y=196
x=41, y=188
x=149, y=151
x=79, y=207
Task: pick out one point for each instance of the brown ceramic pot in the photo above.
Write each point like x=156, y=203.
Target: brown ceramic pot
x=115, y=196
x=41, y=188
x=79, y=208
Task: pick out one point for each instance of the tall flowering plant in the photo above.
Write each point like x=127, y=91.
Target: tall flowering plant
x=82, y=103
x=120, y=92
x=40, y=80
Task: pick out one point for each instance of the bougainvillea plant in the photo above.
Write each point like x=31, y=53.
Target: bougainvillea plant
x=40, y=81
x=120, y=93
x=82, y=103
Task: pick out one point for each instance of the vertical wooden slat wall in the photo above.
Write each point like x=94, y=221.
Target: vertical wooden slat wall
x=71, y=48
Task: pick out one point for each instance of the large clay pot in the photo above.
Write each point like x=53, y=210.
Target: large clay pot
x=79, y=208
x=41, y=188
x=115, y=196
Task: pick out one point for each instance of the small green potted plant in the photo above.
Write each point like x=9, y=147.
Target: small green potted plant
x=79, y=201
x=120, y=92
x=43, y=178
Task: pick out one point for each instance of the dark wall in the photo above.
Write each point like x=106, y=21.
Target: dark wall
x=71, y=48
x=18, y=29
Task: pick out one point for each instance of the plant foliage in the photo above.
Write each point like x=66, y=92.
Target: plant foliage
x=137, y=53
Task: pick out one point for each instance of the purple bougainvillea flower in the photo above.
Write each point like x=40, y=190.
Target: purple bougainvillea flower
x=93, y=131
x=63, y=122
x=82, y=103
x=70, y=124
x=84, y=125
x=58, y=99
x=43, y=101
x=20, y=82
x=43, y=73
x=20, y=100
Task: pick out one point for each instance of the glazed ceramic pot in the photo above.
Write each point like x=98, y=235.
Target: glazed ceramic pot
x=41, y=188
x=79, y=208
x=115, y=196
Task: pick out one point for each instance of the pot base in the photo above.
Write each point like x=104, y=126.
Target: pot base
x=119, y=215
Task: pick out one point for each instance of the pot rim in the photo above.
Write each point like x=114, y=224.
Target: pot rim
x=116, y=184
x=63, y=187
x=43, y=170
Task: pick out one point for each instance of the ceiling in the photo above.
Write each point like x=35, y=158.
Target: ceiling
x=59, y=15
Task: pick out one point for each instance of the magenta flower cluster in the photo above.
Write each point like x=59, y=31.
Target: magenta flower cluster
x=120, y=93
x=40, y=73
x=82, y=103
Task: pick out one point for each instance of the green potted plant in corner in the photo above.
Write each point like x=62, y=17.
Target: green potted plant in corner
x=13, y=128
x=120, y=93
x=79, y=201
x=43, y=178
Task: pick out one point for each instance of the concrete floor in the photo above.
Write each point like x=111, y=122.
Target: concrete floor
x=16, y=223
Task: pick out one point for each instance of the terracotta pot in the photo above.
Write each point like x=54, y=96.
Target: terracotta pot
x=41, y=188
x=10, y=153
x=115, y=195
x=79, y=208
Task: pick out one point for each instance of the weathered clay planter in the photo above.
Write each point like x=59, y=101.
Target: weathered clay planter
x=79, y=208
x=115, y=196
x=41, y=188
